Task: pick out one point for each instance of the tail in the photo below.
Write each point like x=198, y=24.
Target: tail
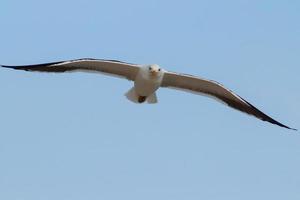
x=132, y=95
x=152, y=98
x=135, y=98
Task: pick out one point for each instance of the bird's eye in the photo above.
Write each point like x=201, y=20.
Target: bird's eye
x=159, y=69
x=150, y=68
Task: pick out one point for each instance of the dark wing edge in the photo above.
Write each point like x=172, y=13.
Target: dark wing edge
x=37, y=67
x=108, y=67
x=240, y=104
x=252, y=110
x=42, y=67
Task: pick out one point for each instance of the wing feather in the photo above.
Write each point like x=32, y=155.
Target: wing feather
x=111, y=67
x=216, y=90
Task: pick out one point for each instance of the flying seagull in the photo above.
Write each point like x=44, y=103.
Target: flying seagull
x=149, y=78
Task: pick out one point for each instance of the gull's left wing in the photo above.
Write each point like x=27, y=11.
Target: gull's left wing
x=216, y=90
x=110, y=67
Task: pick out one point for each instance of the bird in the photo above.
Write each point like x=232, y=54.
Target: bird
x=148, y=78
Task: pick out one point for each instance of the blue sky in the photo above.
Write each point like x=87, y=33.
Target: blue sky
x=75, y=136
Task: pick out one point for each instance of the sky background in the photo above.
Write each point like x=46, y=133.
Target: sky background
x=75, y=136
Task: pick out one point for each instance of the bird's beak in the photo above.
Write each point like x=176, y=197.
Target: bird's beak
x=153, y=72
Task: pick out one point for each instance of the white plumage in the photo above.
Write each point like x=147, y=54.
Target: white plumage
x=149, y=78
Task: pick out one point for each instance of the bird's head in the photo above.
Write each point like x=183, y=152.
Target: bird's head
x=154, y=71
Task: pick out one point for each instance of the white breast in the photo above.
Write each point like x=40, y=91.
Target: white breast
x=145, y=85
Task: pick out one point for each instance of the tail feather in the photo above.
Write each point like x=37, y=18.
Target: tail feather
x=132, y=95
x=135, y=98
x=152, y=98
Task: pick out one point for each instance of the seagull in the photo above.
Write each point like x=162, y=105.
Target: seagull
x=149, y=78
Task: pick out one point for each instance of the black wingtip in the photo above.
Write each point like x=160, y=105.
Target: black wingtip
x=5, y=66
x=284, y=126
x=30, y=67
x=293, y=129
x=268, y=118
x=12, y=67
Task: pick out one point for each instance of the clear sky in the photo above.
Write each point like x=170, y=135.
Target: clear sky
x=75, y=136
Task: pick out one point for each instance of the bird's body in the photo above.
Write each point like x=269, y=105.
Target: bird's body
x=146, y=84
x=149, y=78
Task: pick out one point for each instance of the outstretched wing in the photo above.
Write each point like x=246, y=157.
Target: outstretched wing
x=111, y=67
x=216, y=90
